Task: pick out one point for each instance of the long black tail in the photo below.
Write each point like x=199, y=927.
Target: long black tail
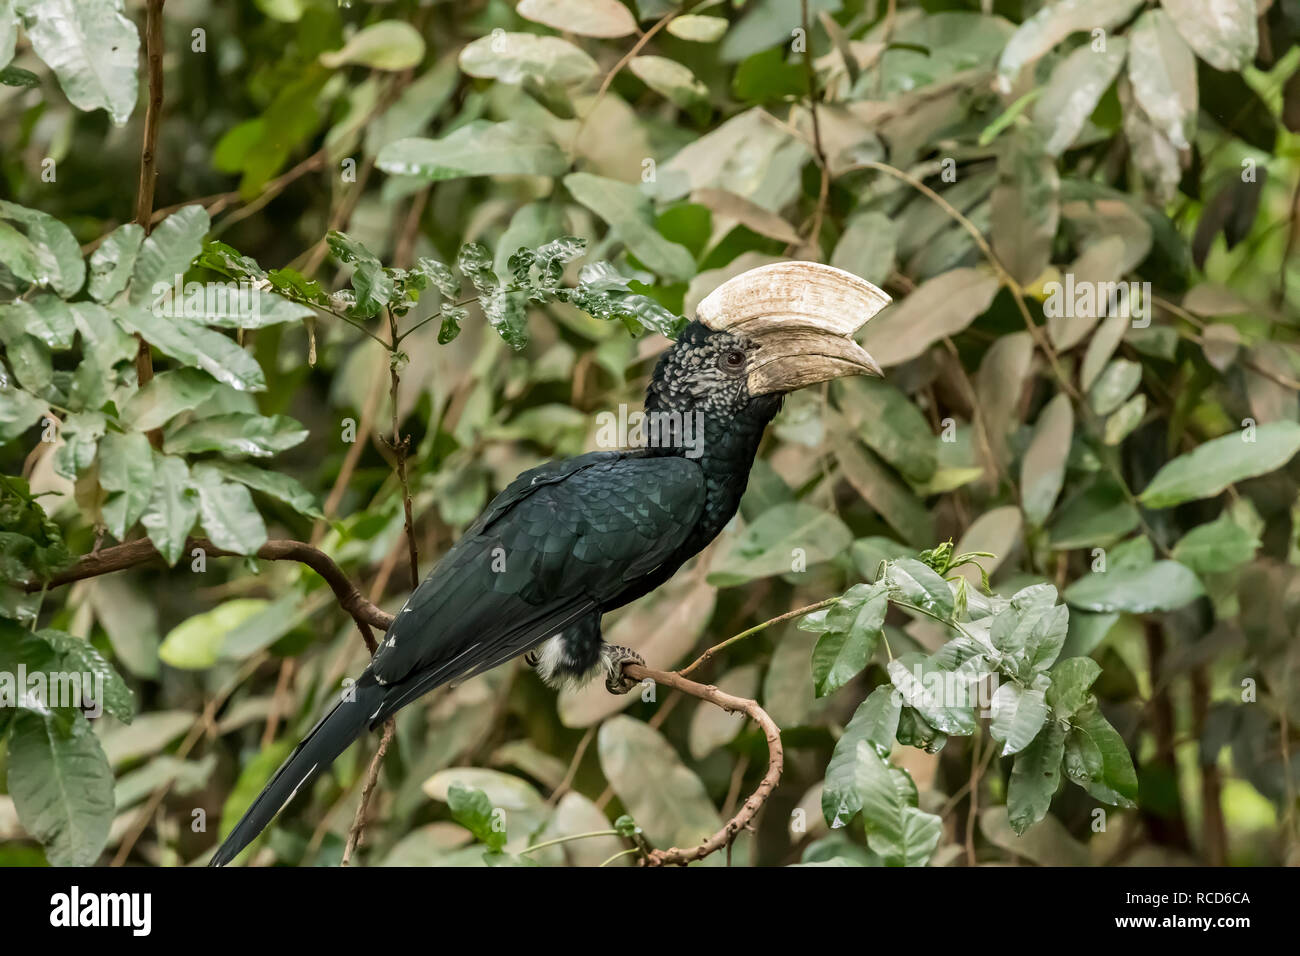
x=329, y=738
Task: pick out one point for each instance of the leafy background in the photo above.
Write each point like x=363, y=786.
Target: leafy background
x=960, y=154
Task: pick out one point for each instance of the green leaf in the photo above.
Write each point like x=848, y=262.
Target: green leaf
x=1118, y=785
x=236, y=433
x=113, y=261
x=76, y=655
x=1053, y=23
x=1071, y=680
x=192, y=344
x=1098, y=514
x=891, y=425
x=1074, y=90
x=165, y=256
x=671, y=80
x=892, y=500
x=51, y=256
x=874, y=722
x=918, y=584
x=1126, y=418
x=45, y=316
x=472, y=809
x=197, y=642
x=662, y=794
x=227, y=512
x=62, y=786
x=92, y=47
x=844, y=649
x=1018, y=715
x=1218, y=546
x=1115, y=384
x=698, y=28
x=17, y=76
x=628, y=212
x=281, y=487
x=1163, y=73
x=1161, y=586
x=896, y=829
x=386, y=45
x=1031, y=629
x=373, y=284
x=252, y=779
x=1025, y=208
x=1082, y=761
x=777, y=539
x=939, y=307
x=1034, y=778
x=1223, y=32
x=588, y=18
x=19, y=411
x=126, y=473
x=167, y=395
x=479, y=148
x=1210, y=468
x=514, y=57
x=940, y=694
x=172, y=507
x=81, y=434
x=1042, y=471
x=867, y=249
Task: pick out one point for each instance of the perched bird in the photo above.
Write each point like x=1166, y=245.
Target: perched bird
x=570, y=540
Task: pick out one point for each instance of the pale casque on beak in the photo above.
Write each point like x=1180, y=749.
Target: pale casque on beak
x=801, y=316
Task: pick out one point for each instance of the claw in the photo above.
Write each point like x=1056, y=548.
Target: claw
x=614, y=658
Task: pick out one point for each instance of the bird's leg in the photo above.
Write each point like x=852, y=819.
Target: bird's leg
x=614, y=656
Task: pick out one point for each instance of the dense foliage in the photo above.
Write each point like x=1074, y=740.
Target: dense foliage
x=1052, y=555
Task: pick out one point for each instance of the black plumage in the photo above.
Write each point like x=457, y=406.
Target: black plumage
x=563, y=544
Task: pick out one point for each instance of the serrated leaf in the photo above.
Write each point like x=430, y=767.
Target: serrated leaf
x=62, y=786
x=172, y=507
x=126, y=472
x=227, y=513
x=113, y=261
x=192, y=344
x=165, y=256
x=236, y=433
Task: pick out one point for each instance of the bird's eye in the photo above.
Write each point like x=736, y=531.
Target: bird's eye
x=732, y=360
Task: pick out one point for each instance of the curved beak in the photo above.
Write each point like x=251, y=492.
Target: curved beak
x=800, y=317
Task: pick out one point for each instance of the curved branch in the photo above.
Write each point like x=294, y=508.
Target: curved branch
x=134, y=553
x=775, y=763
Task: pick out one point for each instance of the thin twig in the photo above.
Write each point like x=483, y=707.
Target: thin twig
x=776, y=761
x=713, y=651
x=134, y=553
x=149, y=171
x=372, y=776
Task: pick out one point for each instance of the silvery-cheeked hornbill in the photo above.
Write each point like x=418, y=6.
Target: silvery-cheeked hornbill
x=570, y=540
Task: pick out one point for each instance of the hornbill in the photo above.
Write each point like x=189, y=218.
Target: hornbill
x=570, y=540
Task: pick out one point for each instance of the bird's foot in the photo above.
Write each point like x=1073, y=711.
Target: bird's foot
x=614, y=657
x=533, y=657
